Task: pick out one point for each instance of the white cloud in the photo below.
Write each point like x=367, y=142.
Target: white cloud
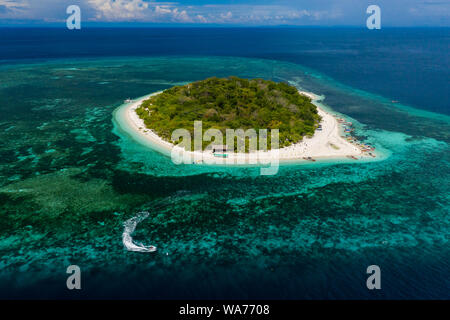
x=12, y=7
x=156, y=11
x=119, y=10
x=265, y=14
x=162, y=9
x=270, y=12
x=13, y=4
x=226, y=16
x=138, y=10
x=201, y=18
x=181, y=16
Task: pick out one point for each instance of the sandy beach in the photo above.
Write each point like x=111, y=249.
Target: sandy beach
x=325, y=144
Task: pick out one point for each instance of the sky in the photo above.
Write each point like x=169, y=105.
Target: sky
x=408, y=13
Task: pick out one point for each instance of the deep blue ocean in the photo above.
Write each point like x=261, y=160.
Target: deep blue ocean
x=406, y=64
x=70, y=178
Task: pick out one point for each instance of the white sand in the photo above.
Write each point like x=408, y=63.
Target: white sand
x=325, y=144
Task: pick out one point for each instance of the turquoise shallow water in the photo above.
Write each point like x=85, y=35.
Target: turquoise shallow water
x=70, y=178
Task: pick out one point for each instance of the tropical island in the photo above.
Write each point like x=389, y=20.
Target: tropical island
x=307, y=131
x=232, y=103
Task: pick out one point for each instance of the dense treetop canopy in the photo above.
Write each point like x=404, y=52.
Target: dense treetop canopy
x=232, y=103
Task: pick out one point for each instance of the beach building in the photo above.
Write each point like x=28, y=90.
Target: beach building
x=219, y=148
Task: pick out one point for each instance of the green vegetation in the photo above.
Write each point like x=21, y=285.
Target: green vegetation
x=232, y=103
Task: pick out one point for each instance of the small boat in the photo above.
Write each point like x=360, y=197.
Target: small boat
x=352, y=157
x=128, y=100
x=309, y=159
x=220, y=155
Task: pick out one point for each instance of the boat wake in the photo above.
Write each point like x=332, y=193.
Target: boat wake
x=129, y=227
x=130, y=224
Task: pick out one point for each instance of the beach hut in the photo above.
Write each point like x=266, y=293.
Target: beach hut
x=219, y=148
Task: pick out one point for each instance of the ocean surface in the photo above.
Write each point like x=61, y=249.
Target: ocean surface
x=70, y=178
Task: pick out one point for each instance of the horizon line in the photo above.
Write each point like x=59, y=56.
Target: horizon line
x=201, y=26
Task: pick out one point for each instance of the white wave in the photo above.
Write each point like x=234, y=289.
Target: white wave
x=129, y=227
